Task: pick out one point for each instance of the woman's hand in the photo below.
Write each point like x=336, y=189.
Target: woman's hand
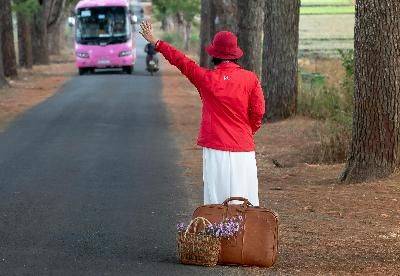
x=147, y=32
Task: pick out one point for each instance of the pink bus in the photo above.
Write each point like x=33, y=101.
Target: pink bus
x=103, y=36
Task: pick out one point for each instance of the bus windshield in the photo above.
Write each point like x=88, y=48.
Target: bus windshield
x=102, y=25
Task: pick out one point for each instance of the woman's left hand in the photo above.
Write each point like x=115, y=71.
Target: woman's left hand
x=147, y=32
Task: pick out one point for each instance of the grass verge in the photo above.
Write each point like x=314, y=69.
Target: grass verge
x=325, y=2
x=317, y=10
x=332, y=106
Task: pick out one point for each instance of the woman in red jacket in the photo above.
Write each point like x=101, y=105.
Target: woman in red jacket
x=233, y=107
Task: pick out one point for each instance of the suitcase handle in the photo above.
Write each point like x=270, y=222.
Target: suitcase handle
x=195, y=223
x=246, y=202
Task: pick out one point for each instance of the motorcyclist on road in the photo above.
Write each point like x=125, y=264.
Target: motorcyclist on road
x=151, y=53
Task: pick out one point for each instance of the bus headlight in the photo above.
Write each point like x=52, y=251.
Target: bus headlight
x=125, y=53
x=82, y=54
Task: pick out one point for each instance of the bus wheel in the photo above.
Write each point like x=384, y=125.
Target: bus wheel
x=128, y=69
x=82, y=71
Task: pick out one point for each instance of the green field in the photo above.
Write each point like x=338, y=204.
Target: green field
x=326, y=2
x=326, y=26
x=313, y=7
x=323, y=34
x=327, y=10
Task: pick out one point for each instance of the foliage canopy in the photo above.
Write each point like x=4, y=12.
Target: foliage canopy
x=164, y=8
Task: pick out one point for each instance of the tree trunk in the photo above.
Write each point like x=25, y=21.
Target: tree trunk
x=40, y=47
x=55, y=12
x=3, y=81
x=279, y=72
x=24, y=40
x=54, y=35
x=226, y=15
x=170, y=23
x=251, y=18
x=186, y=37
x=207, y=30
x=164, y=24
x=180, y=23
x=374, y=151
x=8, y=46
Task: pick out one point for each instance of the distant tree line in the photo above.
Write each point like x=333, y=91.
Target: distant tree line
x=39, y=24
x=178, y=14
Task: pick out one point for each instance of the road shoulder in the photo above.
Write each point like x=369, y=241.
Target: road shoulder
x=31, y=88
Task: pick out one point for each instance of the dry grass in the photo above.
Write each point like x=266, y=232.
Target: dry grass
x=330, y=101
x=331, y=68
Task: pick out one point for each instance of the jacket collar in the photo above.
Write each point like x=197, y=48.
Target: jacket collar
x=227, y=64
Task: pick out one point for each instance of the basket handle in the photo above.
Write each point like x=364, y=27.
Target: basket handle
x=246, y=202
x=195, y=223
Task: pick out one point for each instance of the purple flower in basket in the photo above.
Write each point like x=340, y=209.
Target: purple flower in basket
x=181, y=227
x=228, y=228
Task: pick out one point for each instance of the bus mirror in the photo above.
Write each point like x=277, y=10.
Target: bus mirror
x=71, y=21
x=134, y=19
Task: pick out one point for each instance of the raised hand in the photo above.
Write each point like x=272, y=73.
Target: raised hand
x=147, y=32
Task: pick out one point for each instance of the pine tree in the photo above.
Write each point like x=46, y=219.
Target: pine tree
x=280, y=61
x=374, y=151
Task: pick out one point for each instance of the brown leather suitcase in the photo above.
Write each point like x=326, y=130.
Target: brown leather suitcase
x=256, y=244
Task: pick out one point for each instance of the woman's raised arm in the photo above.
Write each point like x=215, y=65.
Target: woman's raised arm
x=187, y=66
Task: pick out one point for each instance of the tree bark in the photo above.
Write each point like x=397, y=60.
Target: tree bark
x=180, y=22
x=55, y=11
x=374, y=151
x=226, y=15
x=186, y=37
x=207, y=30
x=3, y=81
x=24, y=40
x=54, y=35
x=164, y=24
x=40, y=47
x=279, y=72
x=8, y=45
x=54, y=21
x=251, y=18
x=170, y=23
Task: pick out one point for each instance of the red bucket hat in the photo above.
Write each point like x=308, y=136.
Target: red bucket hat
x=224, y=46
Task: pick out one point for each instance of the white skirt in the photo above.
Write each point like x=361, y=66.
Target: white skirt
x=227, y=174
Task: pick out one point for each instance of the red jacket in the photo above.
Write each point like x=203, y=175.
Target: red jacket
x=233, y=101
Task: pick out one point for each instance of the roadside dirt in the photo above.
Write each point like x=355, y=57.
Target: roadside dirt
x=326, y=228
x=32, y=87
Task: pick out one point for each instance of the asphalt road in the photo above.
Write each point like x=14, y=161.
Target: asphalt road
x=89, y=182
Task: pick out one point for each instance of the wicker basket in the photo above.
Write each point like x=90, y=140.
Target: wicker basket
x=197, y=248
